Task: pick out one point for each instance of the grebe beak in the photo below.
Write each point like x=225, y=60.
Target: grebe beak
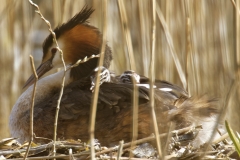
x=41, y=70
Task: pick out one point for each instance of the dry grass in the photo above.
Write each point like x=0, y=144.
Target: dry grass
x=204, y=37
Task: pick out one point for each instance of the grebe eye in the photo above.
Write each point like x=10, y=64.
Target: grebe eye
x=54, y=50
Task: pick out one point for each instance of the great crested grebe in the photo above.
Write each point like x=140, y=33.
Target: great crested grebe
x=78, y=39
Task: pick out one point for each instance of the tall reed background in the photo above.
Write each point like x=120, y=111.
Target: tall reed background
x=204, y=37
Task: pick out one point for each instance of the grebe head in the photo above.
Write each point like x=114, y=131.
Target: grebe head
x=77, y=39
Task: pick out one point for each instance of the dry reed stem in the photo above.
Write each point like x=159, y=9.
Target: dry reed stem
x=125, y=28
x=119, y=153
x=223, y=40
x=172, y=50
x=124, y=23
x=7, y=22
x=144, y=34
x=70, y=154
x=63, y=79
x=152, y=79
x=57, y=15
x=168, y=136
x=44, y=147
x=66, y=10
x=54, y=157
x=32, y=105
x=237, y=44
x=189, y=57
x=188, y=44
x=96, y=89
x=8, y=7
x=234, y=4
x=225, y=136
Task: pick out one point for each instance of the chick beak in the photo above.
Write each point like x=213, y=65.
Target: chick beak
x=41, y=70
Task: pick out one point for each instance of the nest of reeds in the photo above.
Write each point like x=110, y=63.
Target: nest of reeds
x=179, y=146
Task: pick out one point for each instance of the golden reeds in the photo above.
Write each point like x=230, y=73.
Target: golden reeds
x=205, y=36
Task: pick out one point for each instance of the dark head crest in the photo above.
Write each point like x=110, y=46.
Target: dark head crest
x=80, y=18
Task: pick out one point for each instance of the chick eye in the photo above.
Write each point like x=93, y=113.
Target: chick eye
x=54, y=50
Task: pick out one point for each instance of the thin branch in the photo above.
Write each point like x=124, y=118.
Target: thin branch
x=63, y=79
x=32, y=105
x=83, y=61
x=96, y=89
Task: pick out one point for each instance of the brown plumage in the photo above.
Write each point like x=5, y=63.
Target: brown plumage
x=114, y=114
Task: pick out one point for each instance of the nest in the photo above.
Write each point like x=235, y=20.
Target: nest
x=178, y=146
